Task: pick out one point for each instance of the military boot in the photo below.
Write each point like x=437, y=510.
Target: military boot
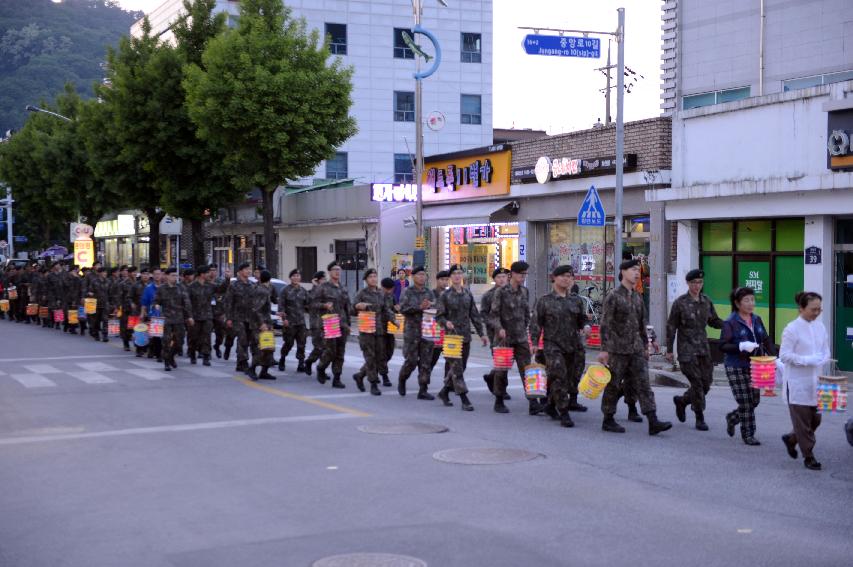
x=609, y=424
x=633, y=414
x=242, y=365
x=359, y=381
x=680, y=408
x=386, y=382
x=307, y=369
x=489, y=380
x=206, y=361
x=656, y=426
x=423, y=394
x=250, y=372
x=336, y=383
x=374, y=389
x=227, y=353
x=444, y=397
x=321, y=375
x=466, y=403
x=401, y=386
x=533, y=407
x=167, y=367
x=281, y=364
x=551, y=411
x=574, y=405
x=566, y=420
x=499, y=405
x=265, y=374
x=192, y=358
x=217, y=351
x=299, y=368
x=700, y=421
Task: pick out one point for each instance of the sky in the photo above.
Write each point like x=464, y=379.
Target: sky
x=561, y=94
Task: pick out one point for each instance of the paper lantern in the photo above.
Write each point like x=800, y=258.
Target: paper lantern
x=113, y=327
x=535, y=381
x=91, y=305
x=452, y=346
x=594, y=338
x=140, y=335
x=832, y=394
x=155, y=327
x=4, y=305
x=439, y=341
x=331, y=326
x=33, y=309
x=502, y=358
x=44, y=312
x=73, y=318
x=13, y=293
x=81, y=313
x=429, y=326
x=367, y=322
x=594, y=380
x=266, y=340
x=132, y=321
x=58, y=315
x=762, y=370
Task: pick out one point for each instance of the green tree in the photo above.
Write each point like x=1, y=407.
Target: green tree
x=268, y=96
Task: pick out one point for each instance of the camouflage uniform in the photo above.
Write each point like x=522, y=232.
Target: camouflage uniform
x=220, y=330
x=333, y=349
x=114, y=290
x=436, y=348
x=510, y=311
x=416, y=351
x=623, y=337
x=316, y=327
x=459, y=308
x=71, y=297
x=238, y=306
x=38, y=294
x=373, y=345
x=561, y=319
x=292, y=302
x=51, y=294
x=98, y=288
x=136, y=291
x=175, y=308
x=128, y=308
x=261, y=315
x=688, y=318
x=201, y=296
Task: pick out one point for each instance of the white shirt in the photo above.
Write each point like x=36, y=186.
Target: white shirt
x=804, y=351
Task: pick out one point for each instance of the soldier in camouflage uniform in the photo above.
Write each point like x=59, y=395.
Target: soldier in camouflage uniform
x=238, y=305
x=201, y=296
x=561, y=317
x=136, y=291
x=175, y=308
x=97, y=288
x=261, y=320
x=222, y=333
x=372, y=298
x=38, y=293
x=128, y=308
x=332, y=297
x=52, y=293
x=442, y=278
x=389, y=341
x=624, y=348
x=416, y=351
x=71, y=296
x=510, y=317
x=457, y=311
x=691, y=313
x=292, y=302
x=500, y=276
x=114, y=290
x=315, y=323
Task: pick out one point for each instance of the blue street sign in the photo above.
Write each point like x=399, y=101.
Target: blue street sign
x=186, y=266
x=562, y=46
x=22, y=239
x=591, y=212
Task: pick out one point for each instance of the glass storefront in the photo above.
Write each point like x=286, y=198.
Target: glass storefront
x=587, y=249
x=479, y=248
x=766, y=255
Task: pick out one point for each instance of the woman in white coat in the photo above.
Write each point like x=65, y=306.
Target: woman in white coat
x=804, y=351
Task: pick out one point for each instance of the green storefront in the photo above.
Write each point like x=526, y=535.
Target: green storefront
x=766, y=255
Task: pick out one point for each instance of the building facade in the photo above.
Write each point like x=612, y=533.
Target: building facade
x=762, y=178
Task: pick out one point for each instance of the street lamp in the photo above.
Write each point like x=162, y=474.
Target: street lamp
x=31, y=108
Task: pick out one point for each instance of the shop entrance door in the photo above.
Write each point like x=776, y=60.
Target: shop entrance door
x=844, y=307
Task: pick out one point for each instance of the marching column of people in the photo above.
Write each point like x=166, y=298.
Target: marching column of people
x=201, y=305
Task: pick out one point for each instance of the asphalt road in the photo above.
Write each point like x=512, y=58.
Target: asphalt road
x=106, y=460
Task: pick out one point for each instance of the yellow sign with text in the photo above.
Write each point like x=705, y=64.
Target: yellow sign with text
x=84, y=253
x=469, y=177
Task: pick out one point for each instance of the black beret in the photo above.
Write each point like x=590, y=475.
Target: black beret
x=628, y=264
x=368, y=273
x=446, y=273
x=243, y=266
x=387, y=283
x=131, y=269
x=499, y=271
x=293, y=272
x=265, y=276
x=519, y=267
x=320, y=274
x=171, y=270
x=189, y=272
x=100, y=269
x=564, y=269
x=417, y=269
x=331, y=265
x=694, y=275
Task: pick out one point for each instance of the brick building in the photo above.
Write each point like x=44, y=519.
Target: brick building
x=524, y=200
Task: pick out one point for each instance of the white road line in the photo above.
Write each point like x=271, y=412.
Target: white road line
x=91, y=377
x=174, y=428
x=150, y=374
x=96, y=367
x=33, y=381
x=42, y=369
x=42, y=358
x=205, y=371
x=146, y=363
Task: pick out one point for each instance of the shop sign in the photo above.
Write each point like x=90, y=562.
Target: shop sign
x=547, y=169
x=813, y=255
x=84, y=253
x=469, y=176
x=839, y=140
x=122, y=225
x=391, y=193
x=81, y=231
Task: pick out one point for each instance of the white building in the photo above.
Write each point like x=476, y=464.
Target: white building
x=366, y=34
x=755, y=90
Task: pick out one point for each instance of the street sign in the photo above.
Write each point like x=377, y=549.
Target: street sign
x=562, y=46
x=84, y=253
x=186, y=266
x=22, y=239
x=591, y=212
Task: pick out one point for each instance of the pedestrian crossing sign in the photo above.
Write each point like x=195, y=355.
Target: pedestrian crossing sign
x=591, y=212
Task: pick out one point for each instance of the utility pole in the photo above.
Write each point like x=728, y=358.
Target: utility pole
x=6, y=204
x=606, y=70
x=620, y=135
x=419, y=131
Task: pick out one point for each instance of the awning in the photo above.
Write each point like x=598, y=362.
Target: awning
x=462, y=213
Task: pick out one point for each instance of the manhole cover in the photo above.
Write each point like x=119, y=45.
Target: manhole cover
x=412, y=428
x=369, y=560
x=485, y=456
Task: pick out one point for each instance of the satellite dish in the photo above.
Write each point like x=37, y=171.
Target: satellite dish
x=435, y=121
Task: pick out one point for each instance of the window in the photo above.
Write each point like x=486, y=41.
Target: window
x=337, y=34
x=472, y=111
x=306, y=261
x=404, y=106
x=336, y=167
x=401, y=50
x=351, y=255
x=403, y=168
x=471, y=51
x=715, y=97
x=816, y=80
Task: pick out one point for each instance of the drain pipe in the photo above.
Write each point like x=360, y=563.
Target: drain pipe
x=761, y=50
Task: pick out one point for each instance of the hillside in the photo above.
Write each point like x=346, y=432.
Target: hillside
x=44, y=44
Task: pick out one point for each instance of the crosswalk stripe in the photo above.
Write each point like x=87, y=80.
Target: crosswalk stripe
x=144, y=363
x=96, y=366
x=91, y=377
x=149, y=374
x=206, y=371
x=42, y=369
x=33, y=381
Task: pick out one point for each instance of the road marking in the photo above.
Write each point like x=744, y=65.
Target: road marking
x=149, y=374
x=42, y=369
x=41, y=358
x=96, y=367
x=206, y=372
x=146, y=363
x=33, y=380
x=91, y=377
x=307, y=400
x=172, y=428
